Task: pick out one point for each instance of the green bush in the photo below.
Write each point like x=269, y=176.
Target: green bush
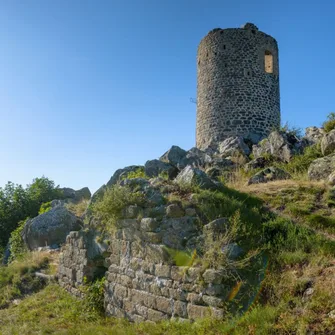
x=18, y=203
x=45, y=207
x=17, y=246
x=109, y=208
x=139, y=173
x=94, y=296
x=301, y=163
x=330, y=123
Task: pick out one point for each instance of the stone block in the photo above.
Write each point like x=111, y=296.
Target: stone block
x=212, y=301
x=126, y=281
x=164, y=305
x=192, y=274
x=212, y=276
x=155, y=238
x=177, y=294
x=194, y=299
x=114, y=259
x=180, y=309
x=163, y=270
x=149, y=224
x=174, y=211
x=177, y=272
x=143, y=298
x=156, y=253
x=198, y=312
x=156, y=316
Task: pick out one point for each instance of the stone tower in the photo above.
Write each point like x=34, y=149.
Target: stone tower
x=238, y=85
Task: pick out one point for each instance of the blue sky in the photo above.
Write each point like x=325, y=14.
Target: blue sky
x=87, y=87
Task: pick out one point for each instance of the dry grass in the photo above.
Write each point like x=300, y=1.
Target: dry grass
x=274, y=187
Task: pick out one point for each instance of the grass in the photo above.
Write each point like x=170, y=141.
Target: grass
x=292, y=259
x=18, y=279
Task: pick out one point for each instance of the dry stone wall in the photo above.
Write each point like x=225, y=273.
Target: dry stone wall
x=143, y=281
x=81, y=259
x=238, y=85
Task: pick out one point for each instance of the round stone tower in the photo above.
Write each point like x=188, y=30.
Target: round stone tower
x=238, y=85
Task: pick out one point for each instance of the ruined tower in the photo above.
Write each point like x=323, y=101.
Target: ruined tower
x=238, y=85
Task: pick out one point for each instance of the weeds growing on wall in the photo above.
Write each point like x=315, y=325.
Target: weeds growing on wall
x=109, y=208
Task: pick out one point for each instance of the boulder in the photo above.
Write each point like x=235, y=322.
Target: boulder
x=257, y=163
x=321, y=168
x=328, y=143
x=190, y=176
x=122, y=173
x=50, y=228
x=280, y=145
x=82, y=194
x=154, y=167
x=314, y=134
x=173, y=156
x=195, y=158
x=233, y=146
x=269, y=174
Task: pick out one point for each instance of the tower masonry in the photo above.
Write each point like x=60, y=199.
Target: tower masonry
x=238, y=85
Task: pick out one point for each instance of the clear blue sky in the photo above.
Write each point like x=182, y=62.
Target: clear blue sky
x=87, y=87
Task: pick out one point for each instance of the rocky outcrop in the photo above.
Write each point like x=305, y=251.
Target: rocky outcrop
x=314, y=134
x=257, y=163
x=328, y=143
x=280, y=145
x=233, y=146
x=174, y=156
x=122, y=173
x=50, y=228
x=194, y=177
x=155, y=167
x=76, y=196
x=321, y=168
x=269, y=174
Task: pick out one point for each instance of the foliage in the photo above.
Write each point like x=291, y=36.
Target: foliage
x=138, y=173
x=94, y=295
x=18, y=203
x=45, y=207
x=109, y=208
x=300, y=163
x=330, y=123
x=17, y=246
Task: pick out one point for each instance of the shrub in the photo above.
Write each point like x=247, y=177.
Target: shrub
x=138, y=173
x=17, y=246
x=94, y=296
x=330, y=123
x=45, y=207
x=109, y=208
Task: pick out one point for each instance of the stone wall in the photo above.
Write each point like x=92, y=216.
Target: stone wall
x=81, y=258
x=238, y=85
x=143, y=281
